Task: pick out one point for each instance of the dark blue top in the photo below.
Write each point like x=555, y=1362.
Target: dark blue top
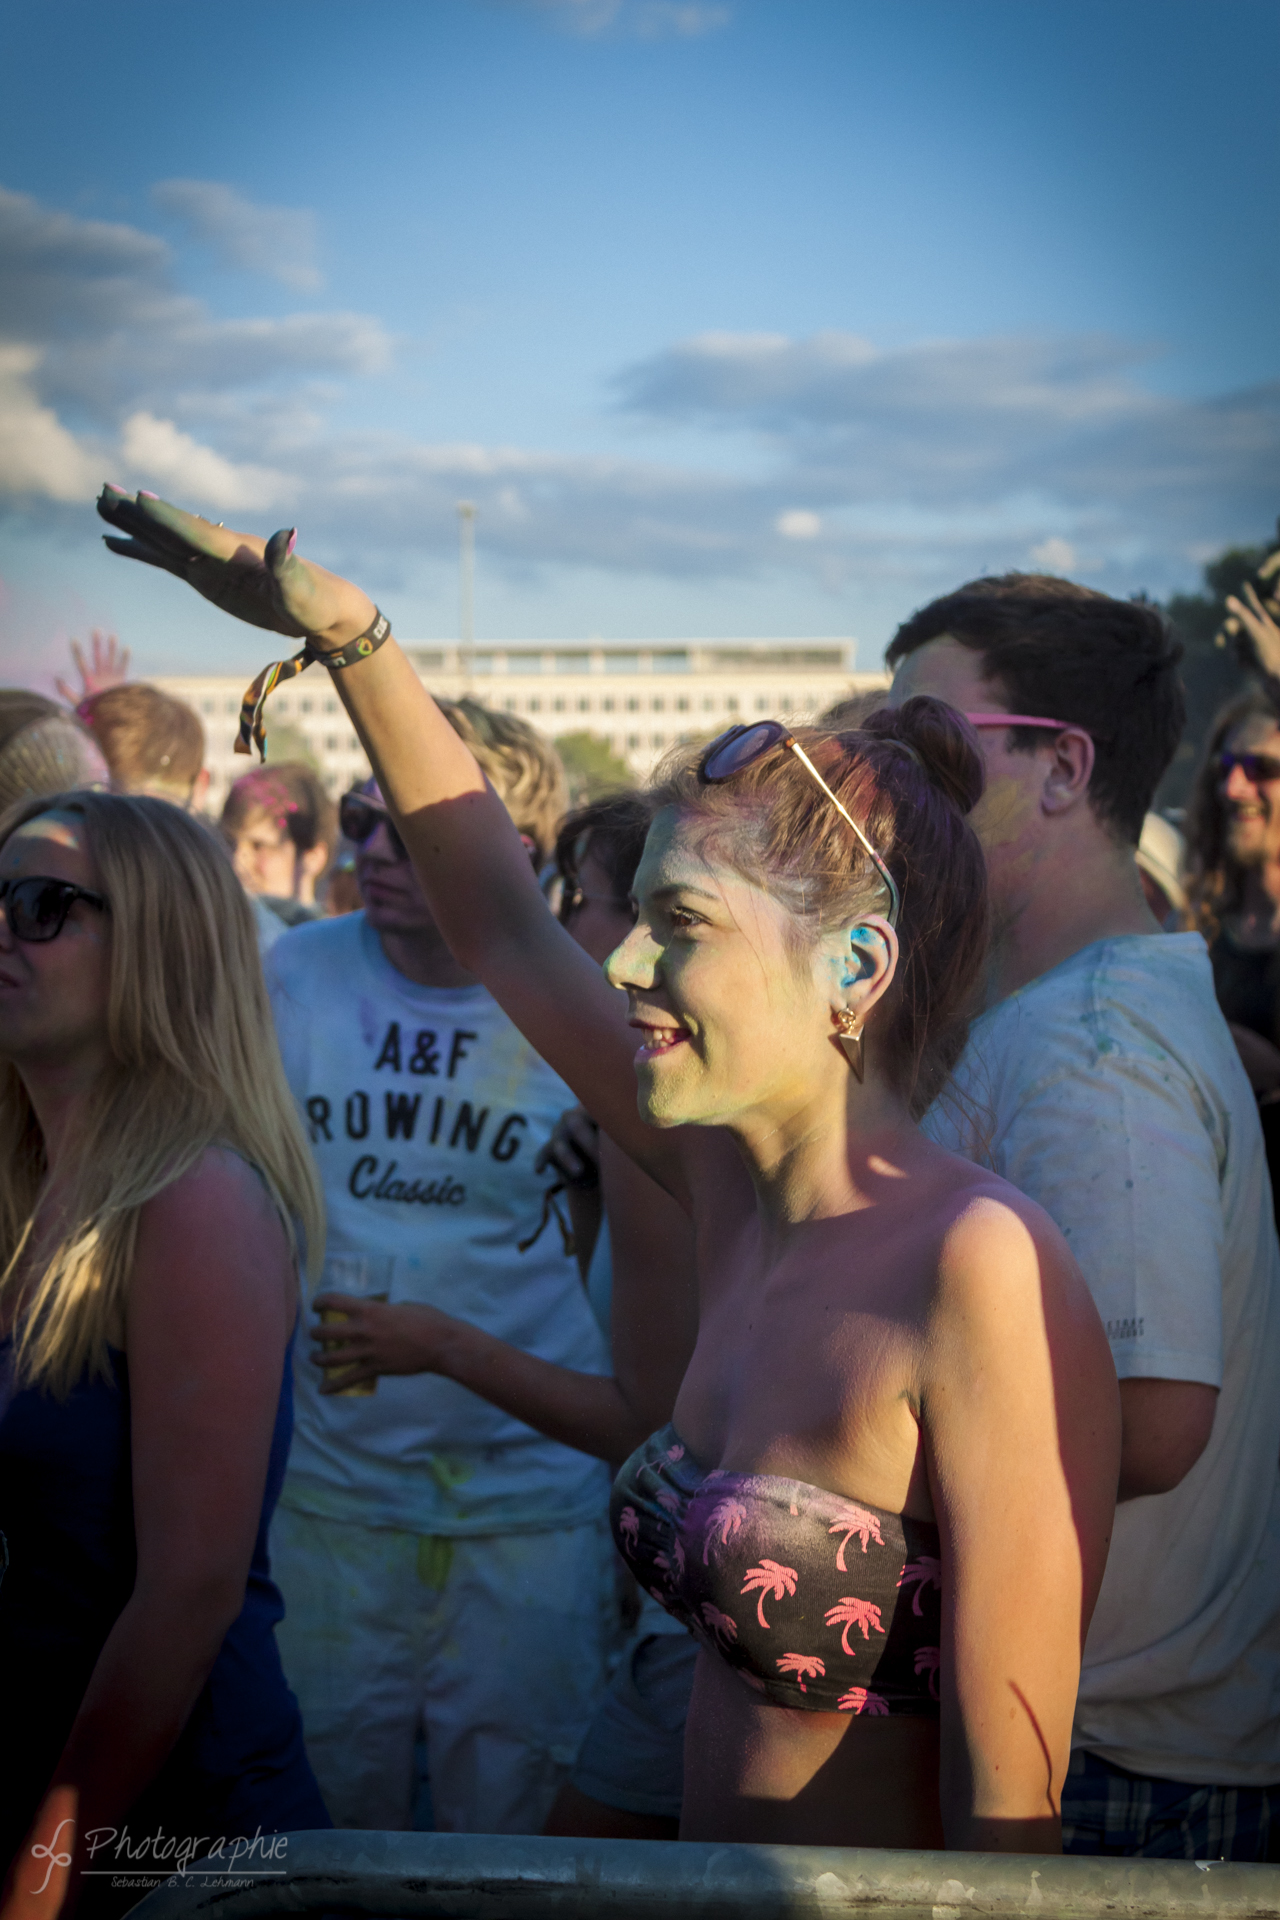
x=66, y=1510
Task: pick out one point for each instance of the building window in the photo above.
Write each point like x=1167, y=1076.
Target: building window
x=657, y=739
x=231, y=706
x=535, y=706
x=353, y=745
x=657, y=705
x=708, y=704
x=509, y=706
x=331, y=706
x=762, y=705
x=306, y=705
x=732, y=703
x=633, y=706
x=584, y=706
x=633, y=739
x=682, y=705
x=206, y=706
x=607, y=705
x=558, y=705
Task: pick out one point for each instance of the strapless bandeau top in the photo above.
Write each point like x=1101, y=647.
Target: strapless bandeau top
x=816, y=1601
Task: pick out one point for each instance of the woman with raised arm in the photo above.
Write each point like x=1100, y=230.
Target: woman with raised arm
x=885, y=1499
x=155, y=1193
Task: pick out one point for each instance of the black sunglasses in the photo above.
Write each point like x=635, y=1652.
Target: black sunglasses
x=1256, y=767
x=742, y=745
x=360, y=817
x=36, y=908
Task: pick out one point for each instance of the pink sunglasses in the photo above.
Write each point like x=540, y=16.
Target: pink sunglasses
x=1017, y=720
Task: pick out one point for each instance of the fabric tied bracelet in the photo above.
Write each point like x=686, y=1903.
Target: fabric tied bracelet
x=253, y=731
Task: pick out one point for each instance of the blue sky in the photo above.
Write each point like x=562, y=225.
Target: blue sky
x=755, y=318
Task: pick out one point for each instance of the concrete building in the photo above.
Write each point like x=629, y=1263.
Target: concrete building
x=641, y=696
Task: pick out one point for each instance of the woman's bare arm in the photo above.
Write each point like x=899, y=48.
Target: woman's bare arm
x=1021, y=1419
x=654, y=1327
x=210, y=1314
x=470, y=859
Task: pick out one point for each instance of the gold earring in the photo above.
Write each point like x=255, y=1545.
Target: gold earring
x=849, y=1029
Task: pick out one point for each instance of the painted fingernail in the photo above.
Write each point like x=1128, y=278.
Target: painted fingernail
x=113, y=486
x=293, y=541
x=144, y=495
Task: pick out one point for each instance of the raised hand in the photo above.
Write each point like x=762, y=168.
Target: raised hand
x=266, y=582
x=110, y=668
x=1250, y=617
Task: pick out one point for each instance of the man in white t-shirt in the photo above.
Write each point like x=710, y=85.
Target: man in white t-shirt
x=447, y=1571
x=1103, y=1081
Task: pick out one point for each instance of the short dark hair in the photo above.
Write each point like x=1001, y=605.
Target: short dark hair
x=613, y=830
x=1109, y=666
x=289, y=792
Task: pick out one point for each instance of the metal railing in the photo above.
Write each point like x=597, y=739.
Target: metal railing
x=501, y=1877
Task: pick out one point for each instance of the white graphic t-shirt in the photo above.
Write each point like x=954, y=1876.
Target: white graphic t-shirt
x=426, y=1109
x=1110, y=1091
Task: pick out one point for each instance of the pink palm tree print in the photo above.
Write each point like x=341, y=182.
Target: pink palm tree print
x=669, y=1501
x=928, y=1660
x=675, y=1453
x=728, y=1516
x=770, y=1578
x=858, y=1700
x=661, y=1560
x=851, y=1519
x=855, y=1613
x=805, y=1666
x=723, y=1625
x=924, y=1572
x=629, y=1528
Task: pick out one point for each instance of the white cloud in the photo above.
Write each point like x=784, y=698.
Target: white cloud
x=633, y=19
x=278, y=241
x=159, y=454
x=1054, y=555
x=37, y=454
x=798, y=523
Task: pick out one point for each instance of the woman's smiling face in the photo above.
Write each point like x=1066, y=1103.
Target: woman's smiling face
x=734, y=1018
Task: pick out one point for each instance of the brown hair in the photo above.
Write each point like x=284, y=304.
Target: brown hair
x=613, y=831
x=525, y=769
x=43, y=748
x=909, y=776
x=289, y=793
x=1213, y=882
x=1053, y=648
x=147, y=737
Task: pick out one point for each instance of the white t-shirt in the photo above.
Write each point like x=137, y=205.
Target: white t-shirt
x=1110, y=1091
x=426, y=1109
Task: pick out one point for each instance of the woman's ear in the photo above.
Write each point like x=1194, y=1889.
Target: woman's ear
x=868, y=962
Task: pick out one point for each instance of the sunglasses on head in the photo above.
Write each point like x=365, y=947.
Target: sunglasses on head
x=36, y=908
x=743, y=745
x=360, y=817
x=1256, y=767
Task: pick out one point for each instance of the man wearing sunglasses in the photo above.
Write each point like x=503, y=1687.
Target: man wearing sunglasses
x=1103, y=1081
x=446, y=1571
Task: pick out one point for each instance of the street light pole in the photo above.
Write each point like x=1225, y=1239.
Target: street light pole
x=466, y=588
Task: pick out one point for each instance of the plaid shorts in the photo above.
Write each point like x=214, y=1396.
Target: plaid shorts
x=1106, y=1810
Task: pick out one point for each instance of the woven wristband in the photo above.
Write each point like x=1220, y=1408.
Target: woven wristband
x=253, y=731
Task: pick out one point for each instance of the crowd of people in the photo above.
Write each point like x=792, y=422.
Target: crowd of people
x=747, y=1310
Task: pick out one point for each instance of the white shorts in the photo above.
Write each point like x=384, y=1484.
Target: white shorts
x=494, y=1648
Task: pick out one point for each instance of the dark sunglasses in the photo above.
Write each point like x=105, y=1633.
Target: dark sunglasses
x=1256, y=767
x=742, y=745
x=360, y=817
x=36, y=908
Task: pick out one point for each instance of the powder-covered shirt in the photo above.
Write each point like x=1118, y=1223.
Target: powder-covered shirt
x=1110, y=1091
x=426, y=1109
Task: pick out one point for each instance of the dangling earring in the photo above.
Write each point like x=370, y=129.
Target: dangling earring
x=849, y=1030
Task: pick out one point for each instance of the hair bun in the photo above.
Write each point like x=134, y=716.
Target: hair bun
x=942, y=740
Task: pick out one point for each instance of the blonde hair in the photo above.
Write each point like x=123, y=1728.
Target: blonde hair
x=193, y=1064
x=526, y=771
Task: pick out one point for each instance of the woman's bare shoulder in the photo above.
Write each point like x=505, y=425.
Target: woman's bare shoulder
x=215, y=1225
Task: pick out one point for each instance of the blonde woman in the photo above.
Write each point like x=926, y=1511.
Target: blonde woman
x=155, y=1196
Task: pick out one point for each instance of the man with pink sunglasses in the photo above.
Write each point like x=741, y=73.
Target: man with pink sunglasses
x=1102, y=1079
